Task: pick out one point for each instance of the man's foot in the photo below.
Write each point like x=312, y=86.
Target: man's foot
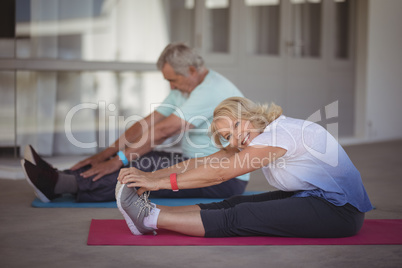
x=134, y=208
x=32, y=156
x=43, y=180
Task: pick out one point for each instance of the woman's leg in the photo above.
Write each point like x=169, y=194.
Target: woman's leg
x=179, y=208
x=290, y=217
x=238, y=199
x=188, y=223
x=143, y=217
x=187, y=219
x=230, y=202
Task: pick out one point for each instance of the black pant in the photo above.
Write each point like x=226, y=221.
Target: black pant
x=279, y=214
x=104, y=189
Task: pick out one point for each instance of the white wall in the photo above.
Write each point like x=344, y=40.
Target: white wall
x=384, y=71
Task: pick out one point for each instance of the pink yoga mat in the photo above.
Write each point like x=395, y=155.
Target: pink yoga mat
x=116, y=232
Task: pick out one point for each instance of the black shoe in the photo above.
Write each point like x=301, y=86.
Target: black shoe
x=32, y=156
x=43, y=180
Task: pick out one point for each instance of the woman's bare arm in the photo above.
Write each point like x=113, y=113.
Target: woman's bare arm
x=210, y=173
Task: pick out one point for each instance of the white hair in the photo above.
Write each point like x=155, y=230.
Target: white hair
x=180, y=57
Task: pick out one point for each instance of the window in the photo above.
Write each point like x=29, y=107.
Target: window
x=306, y=28
x=91, y=30
x=342, y=28
x=78, y=112
x=263, y=17
x=65, y=53
x=218, y=26
x=182, y=21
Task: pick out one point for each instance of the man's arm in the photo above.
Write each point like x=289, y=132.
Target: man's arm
x=154, y=135
x=137, y=130
x=131, y=134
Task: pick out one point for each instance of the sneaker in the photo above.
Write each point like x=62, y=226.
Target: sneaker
x=43, y=180
x=134, y=208
x=32, y=156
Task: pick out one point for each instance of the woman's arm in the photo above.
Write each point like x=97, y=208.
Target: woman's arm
x=195, y=162
x=210, y=173
x=180, y=167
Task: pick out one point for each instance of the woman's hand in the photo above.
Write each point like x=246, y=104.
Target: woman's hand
x=125, y=172
x=133, y=177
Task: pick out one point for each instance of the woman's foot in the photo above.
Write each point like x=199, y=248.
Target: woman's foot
x=134, y=208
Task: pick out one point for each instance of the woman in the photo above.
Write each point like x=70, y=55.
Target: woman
x=320, y=192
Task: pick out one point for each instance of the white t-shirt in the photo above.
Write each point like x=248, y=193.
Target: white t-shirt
x=314, y=164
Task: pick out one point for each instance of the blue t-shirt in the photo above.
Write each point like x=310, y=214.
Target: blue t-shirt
x=197, y=109
x=314, y=165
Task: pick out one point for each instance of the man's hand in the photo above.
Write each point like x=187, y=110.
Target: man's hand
x=93, y=161
x=103, y=169
x=136, y=178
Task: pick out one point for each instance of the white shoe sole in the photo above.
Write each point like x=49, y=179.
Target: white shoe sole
x=28, y=155
x=129, y=221
x=38, y=193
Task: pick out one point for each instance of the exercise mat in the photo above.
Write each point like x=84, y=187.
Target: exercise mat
x=116, y=233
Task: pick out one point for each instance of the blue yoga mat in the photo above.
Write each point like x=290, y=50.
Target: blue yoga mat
x=68, y=201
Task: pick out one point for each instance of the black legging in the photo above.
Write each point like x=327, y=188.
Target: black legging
x=279, y=214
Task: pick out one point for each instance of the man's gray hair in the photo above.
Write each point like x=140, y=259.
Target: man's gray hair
x=180, y=57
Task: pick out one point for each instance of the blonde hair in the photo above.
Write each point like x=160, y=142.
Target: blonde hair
x=244, y=109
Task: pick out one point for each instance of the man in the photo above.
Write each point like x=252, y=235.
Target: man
x=188, y=110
